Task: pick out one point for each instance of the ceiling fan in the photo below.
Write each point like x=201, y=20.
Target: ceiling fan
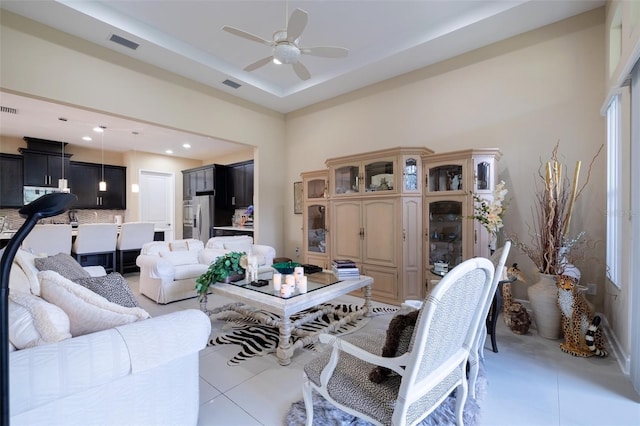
x=285, y=46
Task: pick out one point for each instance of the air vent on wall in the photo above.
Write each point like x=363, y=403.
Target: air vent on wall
x=231, y=84
x=124, y=42
x=8, y=110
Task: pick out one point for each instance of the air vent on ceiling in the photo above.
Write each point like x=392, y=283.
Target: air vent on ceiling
x=231, y=84
x=8, y=110
x=124, y=42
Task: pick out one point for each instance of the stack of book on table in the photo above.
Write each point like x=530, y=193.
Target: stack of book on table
x=345, y=269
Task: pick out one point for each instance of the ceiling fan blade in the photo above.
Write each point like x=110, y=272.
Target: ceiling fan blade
x=296, y=25
x=248, y=36
x=326, y=51
x=262, y=62
x=301, y=71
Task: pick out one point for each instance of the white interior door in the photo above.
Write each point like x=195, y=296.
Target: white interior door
x=157, y=201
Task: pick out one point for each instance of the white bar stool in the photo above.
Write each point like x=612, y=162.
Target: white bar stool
x=132, y=236
x=95, y=244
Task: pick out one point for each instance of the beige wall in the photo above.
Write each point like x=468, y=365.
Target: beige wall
x=521, y=95
x=145, y=93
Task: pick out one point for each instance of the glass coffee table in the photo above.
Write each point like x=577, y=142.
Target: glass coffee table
x=322, y=287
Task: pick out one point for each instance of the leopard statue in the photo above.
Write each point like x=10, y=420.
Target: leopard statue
x=515, y=315
x=582, y=335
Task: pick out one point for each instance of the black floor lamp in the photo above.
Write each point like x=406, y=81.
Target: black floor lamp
x=46, y=206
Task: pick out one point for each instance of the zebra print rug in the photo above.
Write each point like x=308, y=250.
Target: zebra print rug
x=256, y=339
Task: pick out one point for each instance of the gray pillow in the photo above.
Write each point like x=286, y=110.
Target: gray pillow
x=112, y=287
x=63, y=264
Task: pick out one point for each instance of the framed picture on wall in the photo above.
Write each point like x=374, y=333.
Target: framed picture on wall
x=297, y=197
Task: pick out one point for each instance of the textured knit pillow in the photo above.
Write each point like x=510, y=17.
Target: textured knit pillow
x=63, y=264
x=112, y=287
x=33, y=321
x=88, y=312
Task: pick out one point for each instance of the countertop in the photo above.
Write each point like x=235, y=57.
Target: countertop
x=235, y=228
x=7, y=235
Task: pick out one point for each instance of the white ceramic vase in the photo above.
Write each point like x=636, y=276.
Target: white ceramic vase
x=543, y=296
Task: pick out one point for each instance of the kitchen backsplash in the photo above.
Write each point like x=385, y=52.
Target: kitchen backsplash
x=14, y=220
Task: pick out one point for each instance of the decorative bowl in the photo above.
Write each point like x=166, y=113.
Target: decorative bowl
x=285, y=267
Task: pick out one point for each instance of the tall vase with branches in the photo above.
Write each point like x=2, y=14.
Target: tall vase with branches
x=550, y=247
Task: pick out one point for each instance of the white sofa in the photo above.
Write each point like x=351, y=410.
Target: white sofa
x=169, y=269
x=143, y=372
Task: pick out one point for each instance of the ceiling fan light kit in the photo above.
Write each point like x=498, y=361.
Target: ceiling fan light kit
x=285, y=48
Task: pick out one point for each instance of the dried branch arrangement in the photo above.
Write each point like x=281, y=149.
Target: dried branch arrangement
x=555, y=198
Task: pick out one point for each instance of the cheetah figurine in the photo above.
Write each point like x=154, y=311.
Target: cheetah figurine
x=582, y=336
x=515, y=315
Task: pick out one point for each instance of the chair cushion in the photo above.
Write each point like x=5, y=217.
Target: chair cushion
x=63, y=264
x=88, y=312
x=177, y=258
x=112, y=287
x=194, y=270
x=33, y=321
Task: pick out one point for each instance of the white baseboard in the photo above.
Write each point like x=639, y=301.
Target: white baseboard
x=623, y=358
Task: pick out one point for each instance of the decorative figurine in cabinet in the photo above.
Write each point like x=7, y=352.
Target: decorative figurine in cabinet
x=451, y=179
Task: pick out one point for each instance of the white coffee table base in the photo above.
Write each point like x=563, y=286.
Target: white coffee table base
x=284, y=324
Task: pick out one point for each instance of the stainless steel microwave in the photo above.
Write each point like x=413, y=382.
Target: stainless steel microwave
x=32, y=193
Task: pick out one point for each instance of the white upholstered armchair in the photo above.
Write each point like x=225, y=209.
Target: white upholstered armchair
x=431, y=368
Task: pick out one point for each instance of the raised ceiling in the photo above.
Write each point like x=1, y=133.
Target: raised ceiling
x=384, y=38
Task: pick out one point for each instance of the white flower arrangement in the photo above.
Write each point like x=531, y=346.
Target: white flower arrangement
x=490, y=214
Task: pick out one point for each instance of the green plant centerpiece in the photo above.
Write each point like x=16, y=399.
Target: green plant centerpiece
x=226, y=268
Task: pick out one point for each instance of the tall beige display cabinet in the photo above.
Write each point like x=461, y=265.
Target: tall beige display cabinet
x=315, y=228
x=375, y=199
x=451, y=179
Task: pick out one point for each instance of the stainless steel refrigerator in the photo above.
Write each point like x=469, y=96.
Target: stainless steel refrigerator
x=203, y=207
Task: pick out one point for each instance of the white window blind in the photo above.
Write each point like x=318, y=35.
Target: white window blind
x=614, y=210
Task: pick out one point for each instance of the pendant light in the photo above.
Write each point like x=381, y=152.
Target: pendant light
x=102, y=186
x=134, y=186
x=62, y=182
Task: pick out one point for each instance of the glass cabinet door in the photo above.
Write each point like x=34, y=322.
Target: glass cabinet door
x=316, y=227
x=447, y=177
x=346, y=179
x=410, y=175
x=378, y=176
x=316, y=188
x=445, y=232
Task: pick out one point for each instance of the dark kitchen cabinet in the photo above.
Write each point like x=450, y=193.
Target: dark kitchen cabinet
x=43, y=169
x=188, y=184
x=241, y=184
x=84, y=179
x=11, y=181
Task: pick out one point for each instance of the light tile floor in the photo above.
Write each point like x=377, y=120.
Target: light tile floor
x=530, y=382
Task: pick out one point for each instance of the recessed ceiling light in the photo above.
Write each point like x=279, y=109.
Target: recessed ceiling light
x=86, y=138
x=169, y=151
x=186, y=145
x=99, y=129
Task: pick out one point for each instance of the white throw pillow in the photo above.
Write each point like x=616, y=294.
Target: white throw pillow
x=88, y=312
x=178, y=245
x=26, y=261
x=241, y=246
x=18, y=280
x=33, y=321
x=177, y=258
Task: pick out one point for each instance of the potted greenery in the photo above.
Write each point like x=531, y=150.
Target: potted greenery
x=226, y=268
